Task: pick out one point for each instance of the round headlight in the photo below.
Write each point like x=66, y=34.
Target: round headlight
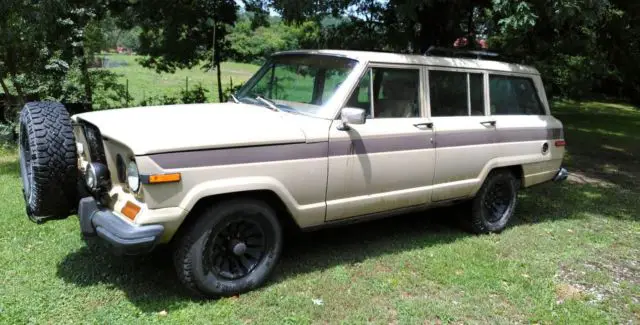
x=91, y=178
x=133, y=177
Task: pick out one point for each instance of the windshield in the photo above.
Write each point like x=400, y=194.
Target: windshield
x=297, y=83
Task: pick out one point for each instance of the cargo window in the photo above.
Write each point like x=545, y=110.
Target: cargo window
x=456, y=93
x=514, y=96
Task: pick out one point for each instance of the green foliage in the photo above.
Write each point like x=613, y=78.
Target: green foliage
x=516, y=16
x=159, y=100
x=8, y=133
x=231, y=90
x=251, y=44
x=180, y=34
x=581, y=46
x=196, y=95
x=108, y=90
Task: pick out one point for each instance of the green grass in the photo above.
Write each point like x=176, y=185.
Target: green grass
x=571, y=257
x=145, y=83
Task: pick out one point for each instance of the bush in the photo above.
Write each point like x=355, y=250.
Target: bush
x=158, y=100
x=8, y=134
x=196, y=95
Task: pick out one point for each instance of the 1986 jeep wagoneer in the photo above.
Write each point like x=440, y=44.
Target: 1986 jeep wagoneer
x=314, y=138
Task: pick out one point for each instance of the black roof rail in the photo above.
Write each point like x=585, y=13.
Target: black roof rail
x=472, y=54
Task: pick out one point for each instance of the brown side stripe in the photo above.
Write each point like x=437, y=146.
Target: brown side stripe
x=377, y=145
x=520, y=135
x=281, y=152
x=244, y=155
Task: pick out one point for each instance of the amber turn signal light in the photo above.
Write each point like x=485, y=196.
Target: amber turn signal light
x=164, y=178
x=130, y=210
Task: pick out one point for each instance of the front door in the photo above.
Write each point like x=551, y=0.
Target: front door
x=386, y=163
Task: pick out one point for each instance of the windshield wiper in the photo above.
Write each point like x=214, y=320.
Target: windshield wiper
x=269, y=103
x=235, y=99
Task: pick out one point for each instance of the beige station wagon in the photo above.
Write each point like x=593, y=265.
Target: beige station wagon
x=314, y=138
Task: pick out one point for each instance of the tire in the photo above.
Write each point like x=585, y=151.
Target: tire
x=210, y=235
x=48, y=161
x=495, y=203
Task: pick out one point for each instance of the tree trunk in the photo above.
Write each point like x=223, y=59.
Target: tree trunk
x=22, y=99
x=213, y=53
x=13, y=72
x=86, y=77
x=215, y=60
x=471, y=37
x=7, y=102
x=219, y=72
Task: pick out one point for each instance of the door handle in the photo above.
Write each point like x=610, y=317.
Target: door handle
x=428, y=125
x=485, y=123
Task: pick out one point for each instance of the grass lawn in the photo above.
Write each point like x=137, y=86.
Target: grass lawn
x=145, y=83
x=572, y=256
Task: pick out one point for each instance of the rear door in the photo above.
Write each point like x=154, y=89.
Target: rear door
x=465, y=136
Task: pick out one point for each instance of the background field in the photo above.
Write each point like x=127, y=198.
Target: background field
x=570, y=257
x=145, y=83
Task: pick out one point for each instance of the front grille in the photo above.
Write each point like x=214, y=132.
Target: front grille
x=94, y=141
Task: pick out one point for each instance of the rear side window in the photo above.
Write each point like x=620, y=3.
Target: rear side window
x=514, y=96
x=456, y=93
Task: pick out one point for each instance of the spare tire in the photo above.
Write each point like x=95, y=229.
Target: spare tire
x=48, y=161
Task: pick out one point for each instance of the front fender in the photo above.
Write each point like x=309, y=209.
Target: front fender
x=304, y=216
x=237, y=185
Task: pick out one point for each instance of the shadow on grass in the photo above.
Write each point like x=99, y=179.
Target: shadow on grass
x=602, y=142
x=150, y=283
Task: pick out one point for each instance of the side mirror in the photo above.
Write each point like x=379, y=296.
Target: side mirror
x=352, y=115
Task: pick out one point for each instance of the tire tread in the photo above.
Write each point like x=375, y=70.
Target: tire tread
x=53, y=160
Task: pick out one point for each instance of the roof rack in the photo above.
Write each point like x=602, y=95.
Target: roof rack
x=443, y=51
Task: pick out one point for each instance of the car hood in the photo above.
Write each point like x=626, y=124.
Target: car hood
x=156, y=129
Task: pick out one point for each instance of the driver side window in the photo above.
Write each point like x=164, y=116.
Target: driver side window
x=394, y=91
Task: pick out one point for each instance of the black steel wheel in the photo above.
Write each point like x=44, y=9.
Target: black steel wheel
x=232, y=248
x=495, y=203
x=497, y=200
x=234, y=251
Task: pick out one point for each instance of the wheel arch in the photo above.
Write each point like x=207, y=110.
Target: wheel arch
x=516, y=169
x=268, y=196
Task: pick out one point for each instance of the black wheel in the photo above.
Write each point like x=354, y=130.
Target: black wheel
x=48, y=163
x=493, y=206
x=232, y=248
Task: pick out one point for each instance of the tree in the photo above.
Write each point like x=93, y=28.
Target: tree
x=183, y=34
x=254, y=45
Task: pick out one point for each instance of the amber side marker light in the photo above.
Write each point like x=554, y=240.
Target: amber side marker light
x=561, y=143
x=130, y=210
x=164, y=178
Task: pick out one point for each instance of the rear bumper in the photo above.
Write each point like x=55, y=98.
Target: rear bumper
x=561, y=175
x=123, y=237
